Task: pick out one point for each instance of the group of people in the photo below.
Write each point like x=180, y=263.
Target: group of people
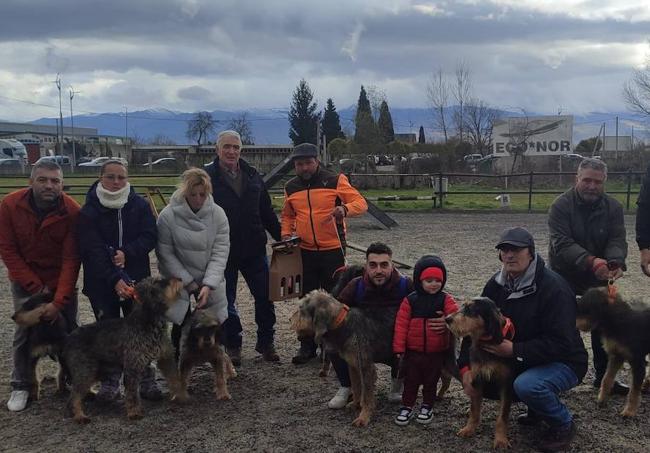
x=215, y=227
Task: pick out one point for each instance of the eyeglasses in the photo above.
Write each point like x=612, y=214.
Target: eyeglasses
x=114, y=177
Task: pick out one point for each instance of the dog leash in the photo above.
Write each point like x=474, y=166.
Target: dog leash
x=612, y=291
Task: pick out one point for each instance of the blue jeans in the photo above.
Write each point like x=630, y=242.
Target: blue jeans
x=539, y=388
x=255, y=271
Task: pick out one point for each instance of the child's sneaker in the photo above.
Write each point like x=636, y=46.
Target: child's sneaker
x=425, y=415
x=405, y=415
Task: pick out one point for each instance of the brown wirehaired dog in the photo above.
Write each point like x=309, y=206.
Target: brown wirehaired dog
x=625, y=330
x=200, y=344
x=130, y=343
x=361, y=337
x=481, y=320
x=45, y=338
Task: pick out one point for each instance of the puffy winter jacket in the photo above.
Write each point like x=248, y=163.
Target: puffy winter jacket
x=193, y=246
x=411, y=330
x=37, y=253
x=308, y=206
x=131, y=229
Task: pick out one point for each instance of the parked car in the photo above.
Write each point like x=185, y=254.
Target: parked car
x=11, y=166
x=61, y=160
x=99, y=161
x=472, y=158
x=162, y=162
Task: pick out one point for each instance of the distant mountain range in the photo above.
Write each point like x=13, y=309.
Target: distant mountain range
x=271, y=126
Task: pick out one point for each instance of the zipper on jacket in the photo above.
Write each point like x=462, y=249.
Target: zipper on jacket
x=424, y=333
x=311, y=217
x=119, y=228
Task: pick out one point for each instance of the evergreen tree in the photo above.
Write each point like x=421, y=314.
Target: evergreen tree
x=385, y=124
x=421, y=138
x=331, y=123
x=365, y=132
x=302, y=115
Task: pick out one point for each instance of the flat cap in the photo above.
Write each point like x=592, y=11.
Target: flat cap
x=516, y=236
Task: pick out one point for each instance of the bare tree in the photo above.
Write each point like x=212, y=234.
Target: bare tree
x=242, y=124
x=479, y=121
x=376, y=96
x=461, y=91
x=201, y=126
x=637, y=91
x=438, y=94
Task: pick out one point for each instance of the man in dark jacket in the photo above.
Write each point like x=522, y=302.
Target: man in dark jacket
x=381, y=288
x=587, y=242
x=643, y=223
x=546, y=350
x=241, y=193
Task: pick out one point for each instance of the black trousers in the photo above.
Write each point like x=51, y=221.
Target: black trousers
x=318, y=268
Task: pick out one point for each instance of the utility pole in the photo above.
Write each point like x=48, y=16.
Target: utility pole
x=58, y=85
x=74, y=151
x=126, y=128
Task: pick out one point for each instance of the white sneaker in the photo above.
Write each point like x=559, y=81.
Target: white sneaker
x=396, y=389
x=18, y=400
x=341, y=398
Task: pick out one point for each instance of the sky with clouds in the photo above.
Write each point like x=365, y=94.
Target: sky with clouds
x=191, y=55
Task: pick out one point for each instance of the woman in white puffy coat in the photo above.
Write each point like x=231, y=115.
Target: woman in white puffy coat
x=193, y=245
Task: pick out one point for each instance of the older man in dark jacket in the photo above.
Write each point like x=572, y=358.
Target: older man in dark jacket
x=546, y=350
x=239, y=189
x=587, y=242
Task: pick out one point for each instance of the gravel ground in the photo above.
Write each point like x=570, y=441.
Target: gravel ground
x=281, y=407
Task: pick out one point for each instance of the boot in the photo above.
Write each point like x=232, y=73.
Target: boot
x=306, y=352
x=109, y=389
x=558, y=438
x=149, y=388
x=268, y=352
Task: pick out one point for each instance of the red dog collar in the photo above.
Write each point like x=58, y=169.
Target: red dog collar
x=340, y=317
x=508, y=331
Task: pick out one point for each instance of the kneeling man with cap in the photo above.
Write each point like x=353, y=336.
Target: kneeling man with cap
x=547, y=350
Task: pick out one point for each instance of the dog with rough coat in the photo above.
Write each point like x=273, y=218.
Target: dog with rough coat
x=45, y=338
x=625, y=330
x=482, y=320
x=200, y=344
x=130, y=343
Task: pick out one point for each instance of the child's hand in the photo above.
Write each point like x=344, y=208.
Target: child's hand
x=399, y=356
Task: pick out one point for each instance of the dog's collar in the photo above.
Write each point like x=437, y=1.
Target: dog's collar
x=508, y=331
x=343, y=313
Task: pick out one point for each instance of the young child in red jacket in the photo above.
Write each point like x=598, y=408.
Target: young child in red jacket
x=421, y=337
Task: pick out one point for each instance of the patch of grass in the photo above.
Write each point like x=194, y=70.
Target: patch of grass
x=457, y=200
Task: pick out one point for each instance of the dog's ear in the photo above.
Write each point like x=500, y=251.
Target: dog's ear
x=493, y=324
x=322, y=305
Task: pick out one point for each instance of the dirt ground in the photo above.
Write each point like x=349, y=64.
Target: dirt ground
x=281, y=407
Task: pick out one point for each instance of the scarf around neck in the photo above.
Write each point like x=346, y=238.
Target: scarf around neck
x=522, y=285
x=113, y=200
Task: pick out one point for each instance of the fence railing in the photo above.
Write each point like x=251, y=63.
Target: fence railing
x=438, y=179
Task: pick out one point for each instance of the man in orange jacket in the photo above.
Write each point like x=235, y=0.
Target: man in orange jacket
x=38, y=247
x=316, y=202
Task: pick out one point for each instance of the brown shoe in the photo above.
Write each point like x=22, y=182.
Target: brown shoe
x=269, y=354
x=558, y=438
x=235, y=355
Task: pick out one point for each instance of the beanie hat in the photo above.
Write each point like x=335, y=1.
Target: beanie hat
x=432, y=272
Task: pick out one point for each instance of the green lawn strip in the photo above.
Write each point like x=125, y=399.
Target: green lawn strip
x=487, y=200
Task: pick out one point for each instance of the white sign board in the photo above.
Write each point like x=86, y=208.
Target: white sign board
x=542, y=135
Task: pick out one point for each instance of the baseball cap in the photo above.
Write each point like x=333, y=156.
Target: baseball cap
x=516, y=236
x=305, y=150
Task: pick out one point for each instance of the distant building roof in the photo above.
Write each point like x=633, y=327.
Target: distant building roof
x=29, y=128
x=406, y=138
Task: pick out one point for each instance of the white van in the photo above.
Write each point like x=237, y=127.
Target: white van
x=12, y=149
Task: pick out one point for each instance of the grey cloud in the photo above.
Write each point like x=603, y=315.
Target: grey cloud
x=195, y=93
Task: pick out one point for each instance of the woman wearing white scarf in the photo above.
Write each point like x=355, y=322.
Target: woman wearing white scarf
x=116, y=232
x=193, y=245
